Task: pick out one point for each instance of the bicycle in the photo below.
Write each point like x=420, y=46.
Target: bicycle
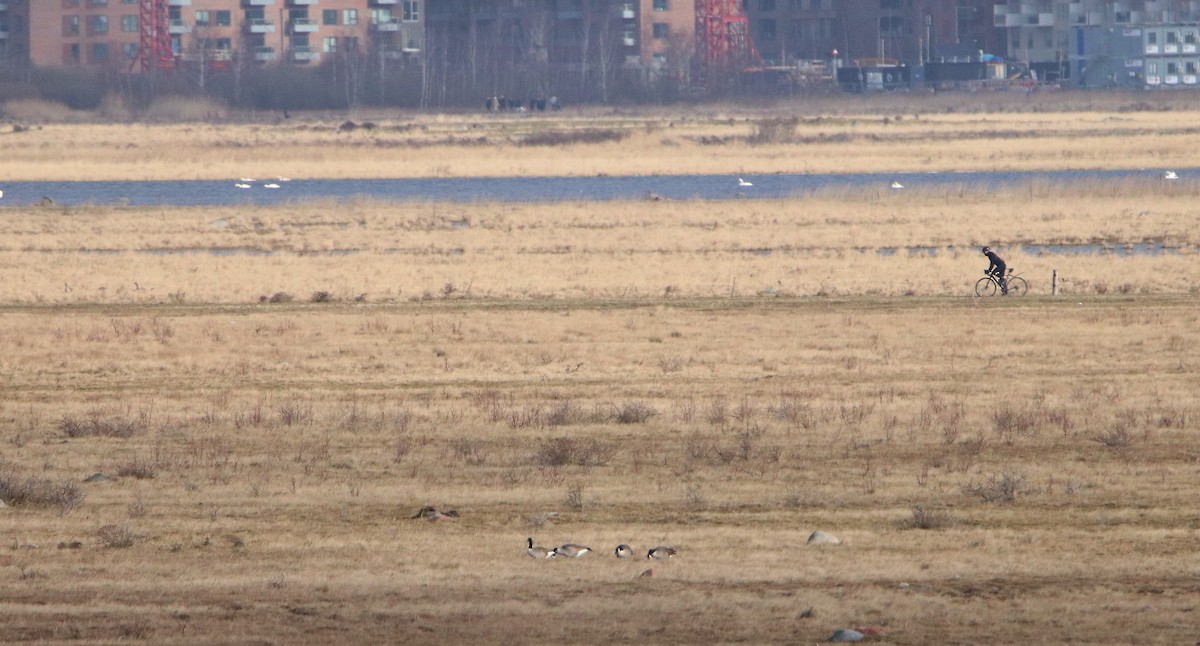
x=989, y=285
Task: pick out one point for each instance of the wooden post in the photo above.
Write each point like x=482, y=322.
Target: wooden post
x=1054, y=282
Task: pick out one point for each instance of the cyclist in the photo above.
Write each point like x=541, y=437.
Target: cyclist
x=997, y=268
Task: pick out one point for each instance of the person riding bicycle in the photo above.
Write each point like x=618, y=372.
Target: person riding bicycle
x=997, y=269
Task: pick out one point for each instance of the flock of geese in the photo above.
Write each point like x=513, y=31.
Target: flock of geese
x=574, y=551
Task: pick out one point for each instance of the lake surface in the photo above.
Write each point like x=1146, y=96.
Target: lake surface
x=522, y=189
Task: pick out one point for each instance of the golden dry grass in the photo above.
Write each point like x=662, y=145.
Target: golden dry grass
x=846, y=134
x=724, y=377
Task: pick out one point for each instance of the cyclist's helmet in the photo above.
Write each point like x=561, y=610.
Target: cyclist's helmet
x=985, y=250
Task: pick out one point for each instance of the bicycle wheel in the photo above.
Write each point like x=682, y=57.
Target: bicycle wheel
x=1017, y=286
x=985, y=287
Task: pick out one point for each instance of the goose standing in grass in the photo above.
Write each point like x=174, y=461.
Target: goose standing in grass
x=623, y=551
x=661, y=552
x=537, y=551
x=571, y=550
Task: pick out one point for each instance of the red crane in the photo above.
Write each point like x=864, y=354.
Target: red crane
x=154, y=37
x=723, y=42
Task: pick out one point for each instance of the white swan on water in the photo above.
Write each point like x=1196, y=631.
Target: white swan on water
x=742, y=182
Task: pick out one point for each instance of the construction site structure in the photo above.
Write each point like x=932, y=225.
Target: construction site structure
x=723, y=44
x=154, y=37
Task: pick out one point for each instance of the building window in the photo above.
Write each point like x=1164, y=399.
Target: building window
x=129, y=1
x=329, y=17
x=816, y=5
x=71, y=3
x=766, y=5
x=412, y=10
x=99, y=52
x=1152, y=37
x=661, y=5
x=129, y=23
x=97, y=24
x=329, y=45
x=629, y=37
x=350, y=16
x=129, y=51
x=202, y=18
x=660, y=30
x=224, y=18
x=1189, y=68
x=350, y=44
x=73, y=53
x=1172, y=68
x=99, y=3
x=660, y=60
x=70, y=25
x=1172, y=38
x=766, y=29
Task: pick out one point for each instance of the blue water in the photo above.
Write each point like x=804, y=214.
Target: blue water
x=523, y=189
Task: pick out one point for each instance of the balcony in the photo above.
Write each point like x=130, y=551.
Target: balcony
x=178, y=27
x=392, y=24
x=264, y=53
x=303, y=54
x=260, y=26
x=302, y=26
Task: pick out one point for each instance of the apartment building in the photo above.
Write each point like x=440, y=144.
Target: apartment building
x=108, y=33
x=1107, y=43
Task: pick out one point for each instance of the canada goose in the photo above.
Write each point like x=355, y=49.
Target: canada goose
x=623, y=551
x=660, y=552
x=537, y=551
x=571, y=550
x=742, y=182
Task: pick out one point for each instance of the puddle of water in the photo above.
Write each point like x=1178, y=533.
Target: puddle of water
x=1101, y=249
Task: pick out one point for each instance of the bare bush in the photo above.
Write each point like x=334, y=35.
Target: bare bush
x=32, y=491
x=97, y=426
x=1009, y=422
x=116, y=536
x=927, y=518
x=563, y=451
x=139, y=468
x=574, y=498
x=633, y=413
x=470, y=451
x=564, y=413
x=1000, y=489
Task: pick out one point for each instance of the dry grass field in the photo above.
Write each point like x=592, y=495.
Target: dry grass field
x=271, y=393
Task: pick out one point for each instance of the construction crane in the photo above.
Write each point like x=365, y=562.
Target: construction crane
x=154, y=37
x=723, y=44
